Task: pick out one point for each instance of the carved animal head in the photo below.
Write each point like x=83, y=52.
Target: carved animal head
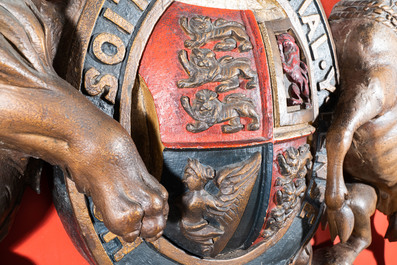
x=287, y=42
x=207, y=104
x=204, y=58
x=196, y=175
x=200, y=24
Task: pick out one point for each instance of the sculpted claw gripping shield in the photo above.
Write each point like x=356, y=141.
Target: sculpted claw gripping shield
x=218, y=97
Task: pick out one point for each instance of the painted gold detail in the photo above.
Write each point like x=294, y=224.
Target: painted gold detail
x=207, y=110
x=203, y=67
x=115, y=42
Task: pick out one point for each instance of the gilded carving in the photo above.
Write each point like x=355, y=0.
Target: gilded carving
x=108, y=57
x=118, y=20
x=291, y=187
x=201, y=30
x=141, y=4
x=224, y=207
x=203, y=67
x=126, y=247
x=96, y=84
x=207, y=110
x=210, y=219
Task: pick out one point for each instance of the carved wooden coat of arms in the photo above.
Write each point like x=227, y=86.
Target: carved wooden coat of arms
x=219, y=97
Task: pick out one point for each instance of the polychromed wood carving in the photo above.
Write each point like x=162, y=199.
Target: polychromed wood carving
x=218, y=97
x=225, y=143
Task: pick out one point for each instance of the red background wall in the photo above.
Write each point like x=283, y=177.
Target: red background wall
x=38, y=237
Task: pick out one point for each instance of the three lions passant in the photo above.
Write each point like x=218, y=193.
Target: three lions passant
x=203, y=68
x=207, y=110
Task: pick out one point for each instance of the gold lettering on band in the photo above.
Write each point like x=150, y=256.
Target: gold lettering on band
x=141, y=4
x=316, y=44
x=118, y=21
x=312, y=21
x=110, y=57
x=304, y=6
x=107, y=83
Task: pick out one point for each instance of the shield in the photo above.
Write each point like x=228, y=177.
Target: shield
x=218, y=97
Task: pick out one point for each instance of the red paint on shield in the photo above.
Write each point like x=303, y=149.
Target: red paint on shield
x=279, y=148
x=161, y=70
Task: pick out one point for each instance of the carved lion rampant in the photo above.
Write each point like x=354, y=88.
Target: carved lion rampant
x=208, y=110
x=201, y=30
x=291, y=187
x=295, y=70
x=203, y=67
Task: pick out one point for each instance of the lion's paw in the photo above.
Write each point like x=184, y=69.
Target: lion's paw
x=251, y=84
x=131, y=202
x=253, y=127
x=133, y=207
x=245, y=47
x=226, y=45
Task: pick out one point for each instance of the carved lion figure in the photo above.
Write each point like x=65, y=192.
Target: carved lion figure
x=208, y=110
x=295, y=70
x=203, y=68
x=202, y=30
x=362, y=140
x=43, y=116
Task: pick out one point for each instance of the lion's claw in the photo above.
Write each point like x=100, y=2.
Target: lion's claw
x=341, y=222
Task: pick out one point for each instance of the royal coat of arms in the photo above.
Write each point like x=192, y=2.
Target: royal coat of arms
x=219, y=97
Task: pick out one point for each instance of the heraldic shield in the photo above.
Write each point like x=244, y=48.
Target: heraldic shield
x=219, y=97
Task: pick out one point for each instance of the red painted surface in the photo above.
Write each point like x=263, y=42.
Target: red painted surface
x=279, y=148
x=161, y=70
x=38, y=237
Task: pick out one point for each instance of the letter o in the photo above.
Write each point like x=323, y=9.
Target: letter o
x=112, y=39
